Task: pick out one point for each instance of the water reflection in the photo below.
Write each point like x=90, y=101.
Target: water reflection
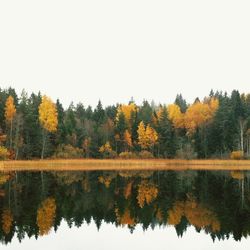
x=216, y=202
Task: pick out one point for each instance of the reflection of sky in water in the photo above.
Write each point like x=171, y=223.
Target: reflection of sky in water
x=112, y=238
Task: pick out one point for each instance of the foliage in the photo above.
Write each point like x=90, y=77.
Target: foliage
x=237, y=155
x=128, y=139
x=46, y=216
x=68, y=152
x=186, y=152
x=7, y=221
x=127, y=155
x=145, y=155
x=127, y=110
x=212, y=127
x=10, y=109
x=4, y=153
x=107, y=151
x=216, y=202
x=147, y=136
x=48, y=114
x=147, y=192
x=199, y=113
x=175, y=115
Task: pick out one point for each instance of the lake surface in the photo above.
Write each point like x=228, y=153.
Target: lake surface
x=125, y=209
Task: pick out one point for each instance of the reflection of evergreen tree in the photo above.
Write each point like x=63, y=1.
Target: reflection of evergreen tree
x=82, y=197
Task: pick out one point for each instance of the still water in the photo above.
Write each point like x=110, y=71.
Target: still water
x=125, y=209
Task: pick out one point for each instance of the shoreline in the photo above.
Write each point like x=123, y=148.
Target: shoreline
x=122, y=164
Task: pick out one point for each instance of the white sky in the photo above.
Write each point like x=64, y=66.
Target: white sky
x=112, y=50
x=111, y=238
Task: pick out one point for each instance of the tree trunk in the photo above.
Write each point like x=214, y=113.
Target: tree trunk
x=243, y=124
x=44, y=140
x=242, y=135
x=11, y=128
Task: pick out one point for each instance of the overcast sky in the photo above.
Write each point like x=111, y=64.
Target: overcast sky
x=112, y=50
x=112, y=238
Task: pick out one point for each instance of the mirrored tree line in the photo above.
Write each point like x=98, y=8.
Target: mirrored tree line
x=35, y=203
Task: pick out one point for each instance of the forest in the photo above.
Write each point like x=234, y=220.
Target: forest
x=35, y=127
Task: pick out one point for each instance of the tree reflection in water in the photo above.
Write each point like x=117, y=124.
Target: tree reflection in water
x=217, y=202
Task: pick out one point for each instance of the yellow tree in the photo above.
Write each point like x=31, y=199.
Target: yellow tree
x=7, y=221
x=142, y=138
x=147, y=136
x=175, y=115
x=128, y=139
x=46, y=215
x=48, y=118
x=10, y=112
x=125, y=218
x=107, y=151
x=127, y=110
x=152, y=136
x=199, y=113
x=147, y=192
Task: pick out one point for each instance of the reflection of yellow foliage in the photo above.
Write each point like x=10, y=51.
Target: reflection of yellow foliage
x=128, y=190
x=147, y=192
x=2, y=193
x=125, y=219
x=7, y=220
x=4, y=178
x=197, y=215
x=159, y=215
x=86, y=185
x=67, y=178
x=46, y=216
x=175, y=214
x=142, y=174
x=106, y=179
x=238, y=175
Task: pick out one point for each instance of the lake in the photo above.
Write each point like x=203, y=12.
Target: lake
x=125, y=209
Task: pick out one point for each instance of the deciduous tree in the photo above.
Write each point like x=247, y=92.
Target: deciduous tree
x=48, y=118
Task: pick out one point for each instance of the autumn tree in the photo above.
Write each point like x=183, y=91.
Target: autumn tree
x=199, y=113
x=46, y=215
x=128, y=139
x=147, y=192
x=48, y=118
x=107, y=151
x=10, y=112
x=142, y=138
x=127, y=110
x=175, y=116
x=7, y=221
x=147, y=136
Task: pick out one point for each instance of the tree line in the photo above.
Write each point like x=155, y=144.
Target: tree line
x=33, y=126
